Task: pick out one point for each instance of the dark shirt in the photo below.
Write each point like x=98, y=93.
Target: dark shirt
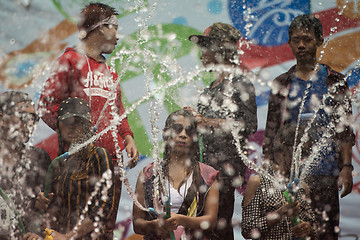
x=74, y=182
x=314, y=91
x=234, y=99
x=22, y=184
x=340, y=108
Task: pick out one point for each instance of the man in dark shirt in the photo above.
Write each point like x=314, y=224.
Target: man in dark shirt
x=229, y=101
x=312, y=95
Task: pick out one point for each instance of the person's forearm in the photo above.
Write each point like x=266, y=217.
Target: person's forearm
x=84, y=228
x=128, y=139
x=346, y=152
x=273, y=218
x=214, y=122
x=345, y=180
x=143, y=227
x=197, y=222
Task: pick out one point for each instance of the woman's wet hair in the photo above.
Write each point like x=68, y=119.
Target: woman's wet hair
x=194, y=148
x=173, y=117
x=308, y=22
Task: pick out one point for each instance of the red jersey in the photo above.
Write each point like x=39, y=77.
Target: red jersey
x=75, y=74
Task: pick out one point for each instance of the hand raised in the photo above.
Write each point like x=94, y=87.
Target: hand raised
x=41, y=202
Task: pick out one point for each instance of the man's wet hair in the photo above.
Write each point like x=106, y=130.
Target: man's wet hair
x=308, y=22
x=94, y=13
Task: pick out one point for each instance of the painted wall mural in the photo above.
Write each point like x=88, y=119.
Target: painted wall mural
x=154, y=50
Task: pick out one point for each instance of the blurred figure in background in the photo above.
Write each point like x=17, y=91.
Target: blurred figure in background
x=229, y=101
x=23, y=167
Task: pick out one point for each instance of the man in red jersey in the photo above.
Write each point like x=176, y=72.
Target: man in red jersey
x=82, y=72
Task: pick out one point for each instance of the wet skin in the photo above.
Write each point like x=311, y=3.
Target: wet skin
x=207, y=57
x=180, y=140
x=303, y=44
x=108, y=38
x=73, y=129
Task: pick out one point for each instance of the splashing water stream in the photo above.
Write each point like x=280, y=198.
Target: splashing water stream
x=155, y=108
x=235, y=131
x=118, y=119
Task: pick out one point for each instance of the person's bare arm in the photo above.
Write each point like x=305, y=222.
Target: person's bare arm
x=140, y=224
x=77, y=232
x=345, y=177
x=132, y=151
x=206, y=122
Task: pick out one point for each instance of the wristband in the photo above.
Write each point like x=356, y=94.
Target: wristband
x=349, y=165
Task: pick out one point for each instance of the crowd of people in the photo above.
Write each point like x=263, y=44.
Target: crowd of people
x=189, y=194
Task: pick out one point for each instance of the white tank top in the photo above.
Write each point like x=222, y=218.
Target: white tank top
x=178, y=198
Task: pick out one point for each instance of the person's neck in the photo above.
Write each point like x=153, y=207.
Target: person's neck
x=305, y=71
x=219, y=78
x=74, y=147
x=178, y=159
x=92, y=51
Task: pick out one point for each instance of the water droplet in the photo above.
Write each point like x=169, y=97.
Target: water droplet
x=204, y=225
x=255, y=234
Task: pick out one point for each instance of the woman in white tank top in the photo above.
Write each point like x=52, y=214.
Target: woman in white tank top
x=181, y=180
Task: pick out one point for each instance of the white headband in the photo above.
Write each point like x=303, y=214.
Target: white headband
x=107, y=21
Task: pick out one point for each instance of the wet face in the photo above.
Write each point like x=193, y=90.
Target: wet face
x=304, y=44
x=73, y=129
x=211, y=56
x=20, y=124
x=108, y=38
x=180, y=134
x=207, y=57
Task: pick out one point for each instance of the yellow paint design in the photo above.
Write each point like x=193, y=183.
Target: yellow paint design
x=192, y=208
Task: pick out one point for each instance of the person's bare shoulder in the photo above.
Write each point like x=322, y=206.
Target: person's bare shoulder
x=252, y=185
